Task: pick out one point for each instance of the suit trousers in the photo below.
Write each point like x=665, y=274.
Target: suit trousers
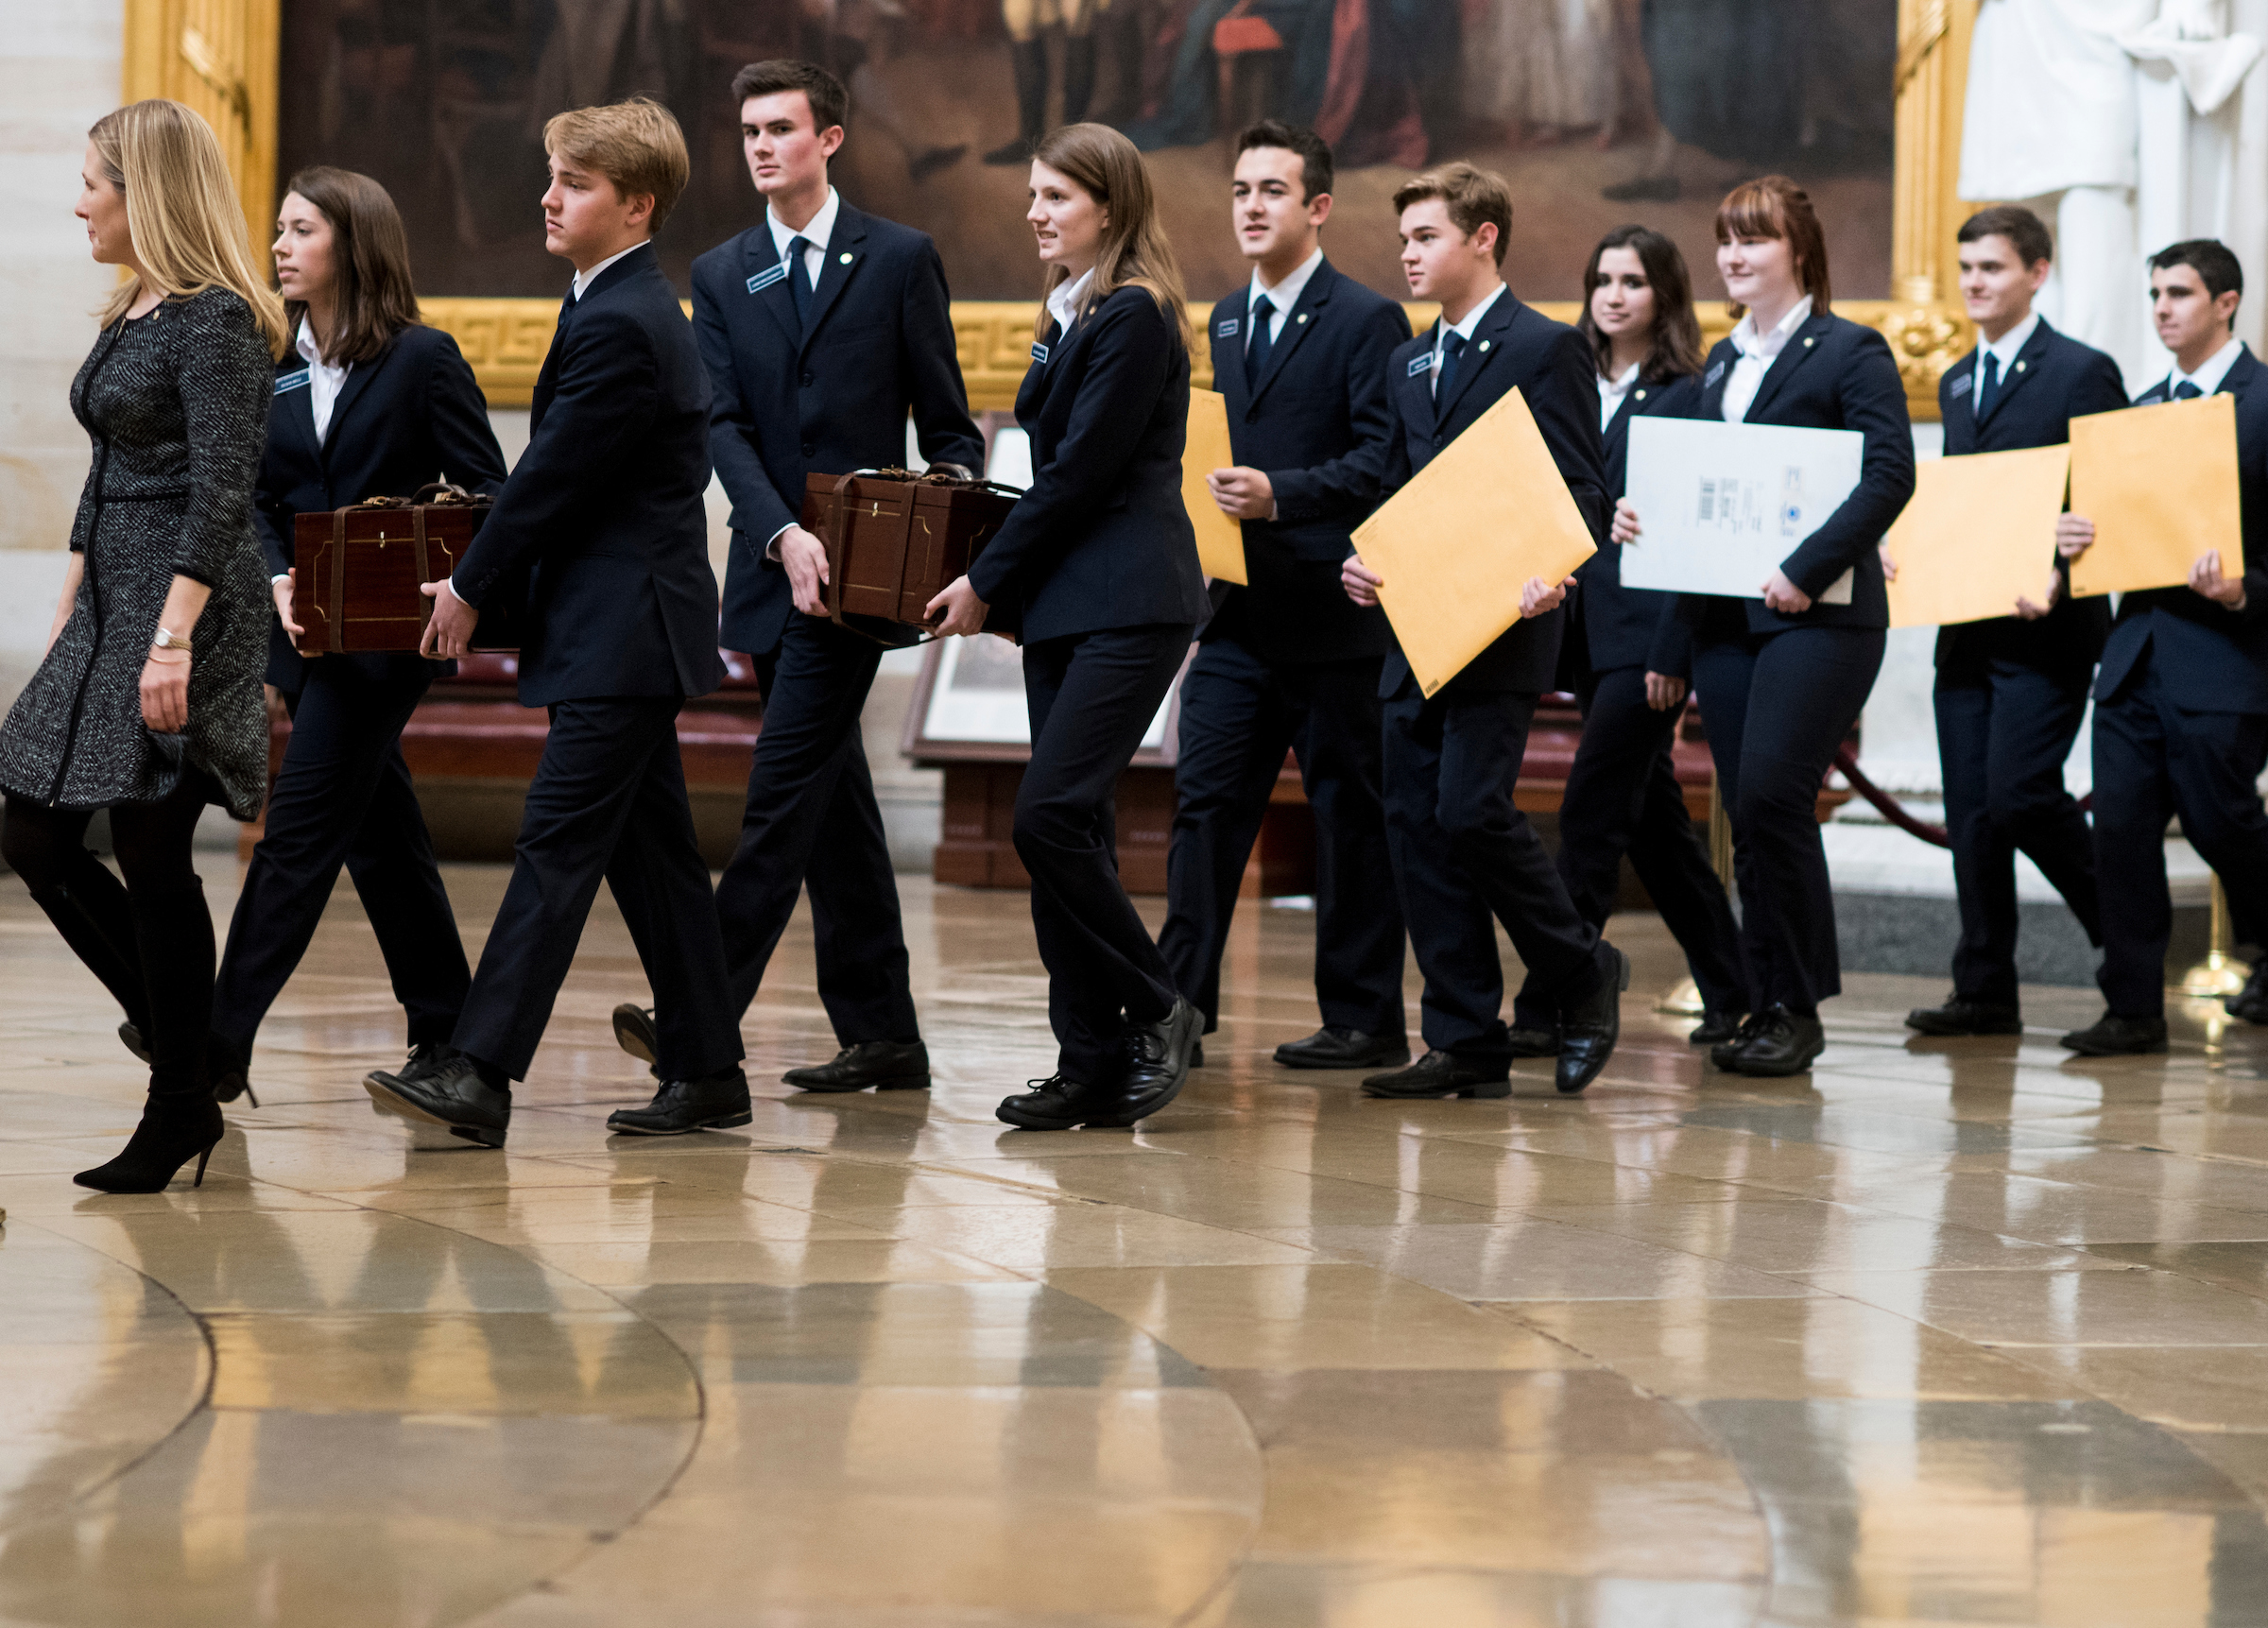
x=1777, y=706
x=1239, y=715
x=2004, y=731
x=2153, y=760
x=1463, y=853
x=1623, y=797
x=1091, y=698
x=608, y=800
x=812, y=822
x=344, y=797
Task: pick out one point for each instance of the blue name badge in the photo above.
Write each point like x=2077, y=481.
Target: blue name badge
x=1962, y=385
x=1420, y=362
x=292, y=381
x=1225, y=330
x=764, y=280
x=1040, y=354
x=1714, y=374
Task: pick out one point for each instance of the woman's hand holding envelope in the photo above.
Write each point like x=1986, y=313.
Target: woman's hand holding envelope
x=1361, y=583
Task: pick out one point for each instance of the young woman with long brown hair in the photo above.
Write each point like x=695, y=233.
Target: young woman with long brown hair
x=1100, y=565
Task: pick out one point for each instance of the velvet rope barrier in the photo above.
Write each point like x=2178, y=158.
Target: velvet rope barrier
x=1886, y=805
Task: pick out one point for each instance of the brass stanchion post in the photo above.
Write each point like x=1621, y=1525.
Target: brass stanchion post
x=2220, y=972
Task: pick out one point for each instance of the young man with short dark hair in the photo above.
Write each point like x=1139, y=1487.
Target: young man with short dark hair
x=2011, y=691
x=605, y=506
x=822, y=327
x=1462, y=850
x=1286, y=663
x=2181, y=699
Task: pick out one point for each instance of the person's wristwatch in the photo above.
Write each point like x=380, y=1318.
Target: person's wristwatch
x=166, y=640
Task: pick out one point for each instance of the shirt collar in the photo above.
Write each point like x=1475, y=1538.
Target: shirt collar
x=1285, y=293
x=2208, y=378
x=1063, y=304
x=1766, y=347
x=1472, y=318
x=306, y=346
x=819, y=231
x=1620, y=386
x=2010, y=345
x=584, y=279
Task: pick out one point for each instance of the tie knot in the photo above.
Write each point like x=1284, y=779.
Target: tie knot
x=2186, y=390
x=1263, y=308
x=1452, y=343
x=799, y=246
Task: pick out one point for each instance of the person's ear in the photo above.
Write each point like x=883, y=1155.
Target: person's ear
x=1484, y=237
x=1318, y=209
x=831, y=141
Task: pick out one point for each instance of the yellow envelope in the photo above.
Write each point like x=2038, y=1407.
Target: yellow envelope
x=1455, y=546
x=1220, y=540
x=2160, y=485
x=1978, y=532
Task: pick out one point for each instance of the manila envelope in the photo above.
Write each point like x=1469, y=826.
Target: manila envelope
x=1978, y=532
x=1220, y=540
x=1455, y=546
x=2160, y=485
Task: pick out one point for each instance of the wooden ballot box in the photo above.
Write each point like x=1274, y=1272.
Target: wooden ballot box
x=896, y=540
x=359, y=572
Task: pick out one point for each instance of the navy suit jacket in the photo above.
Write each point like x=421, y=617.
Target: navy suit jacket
x=605, y=505
x=1633, y=627
x=1319, y=425
x=2208, y=659
x=2054, y=380
x=1549, y=364
x=411, y=416
x=1101, y=538
x=1832, y=375
x=829, y=397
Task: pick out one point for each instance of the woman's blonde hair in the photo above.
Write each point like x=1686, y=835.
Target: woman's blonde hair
x=1136, y=252
x=182, y=211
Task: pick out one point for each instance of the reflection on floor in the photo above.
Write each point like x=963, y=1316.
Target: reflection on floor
x=1949, y=1332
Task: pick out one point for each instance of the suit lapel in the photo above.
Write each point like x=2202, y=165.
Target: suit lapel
x=1229, y=359
x=1801, y=346
x=2239, y=376
x=357, y=380
x=1964, y=399
x=1487, y=343
x=1714, y=372
x=295, y=406
x=1301, y=318
x=1618, y=427
x=1416, y=386
x=759, y=261
x=845, y=254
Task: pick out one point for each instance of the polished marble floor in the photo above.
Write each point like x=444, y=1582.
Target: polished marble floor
x=1950, y=1332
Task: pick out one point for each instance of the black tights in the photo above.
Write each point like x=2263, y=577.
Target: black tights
x=149, y=939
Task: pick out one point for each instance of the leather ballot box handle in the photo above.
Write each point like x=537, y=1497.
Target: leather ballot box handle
x=937, y=475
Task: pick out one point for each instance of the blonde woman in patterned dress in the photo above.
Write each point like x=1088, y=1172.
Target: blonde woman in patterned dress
x=147, y=703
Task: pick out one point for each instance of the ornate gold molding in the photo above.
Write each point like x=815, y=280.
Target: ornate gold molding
x=220, y=57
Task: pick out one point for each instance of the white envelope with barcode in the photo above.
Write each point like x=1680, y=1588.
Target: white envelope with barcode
x=1720, y=505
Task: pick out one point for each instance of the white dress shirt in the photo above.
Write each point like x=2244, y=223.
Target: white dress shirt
x=2210, y=372
x=1462, y=330
x=584, y=279
x=2004, y=351
x=818, y=231
x=1063, y=304
x=1612, y=391
x=1283, y=296
x=323, y=381
x=1757, y=352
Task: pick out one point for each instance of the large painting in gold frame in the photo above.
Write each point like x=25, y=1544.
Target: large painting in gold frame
x=221, y=57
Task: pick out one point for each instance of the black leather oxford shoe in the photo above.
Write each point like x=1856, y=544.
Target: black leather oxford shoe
x=1526, y=1042
x=717, y=1102
x=2115, y=1037
x=1783, y=1044
x=1158, y=1064
x=634, y=1032
x=882, y=1065
x=1588, y=1029
x=1054, y=1103
x=1333, y=1047
x=1722, y=1053
x=1963, y=1017
x=2251, y=1003
x=1716, y=1027
x=1442, y=1074
x=451, y=1094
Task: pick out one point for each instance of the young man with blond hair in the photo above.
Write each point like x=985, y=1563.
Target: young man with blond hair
x=605, y=511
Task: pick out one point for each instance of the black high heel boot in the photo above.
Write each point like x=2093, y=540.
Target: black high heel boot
x=176, y=1127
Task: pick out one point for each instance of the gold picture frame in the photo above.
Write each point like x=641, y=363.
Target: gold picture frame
x=220, y=57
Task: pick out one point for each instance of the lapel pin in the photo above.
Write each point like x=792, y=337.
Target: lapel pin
x=1304, y=316
x=846, y=258
x=1484, y=344
x=1642, y=395
x=1807, y=344
x=2019, y=366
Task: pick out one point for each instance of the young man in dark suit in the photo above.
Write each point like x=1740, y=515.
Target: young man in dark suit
x=2181, y=698
x=605, y=508
x=1462, y=850
x=1286, y=663
x=822, y=329
x=2012, y=691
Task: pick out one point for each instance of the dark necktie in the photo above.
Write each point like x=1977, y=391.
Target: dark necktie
x=1988, y=384
x=2186, y=390
x=1453, y=346
x=798, y=279
x=1256, y=350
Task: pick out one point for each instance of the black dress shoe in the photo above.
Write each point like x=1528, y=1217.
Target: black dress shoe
x=1527, y=1042
x=451, y=1094
x=1783, y=1044
x=1963, y=1017
x=1158, y=1064
x=230, y=1075
x=1721, y=1054
x=1442, y=1074
x=1588, y=1029
x=634, y=1032
x=176, y=1127
x=2117, y=1036
x=885, y=1064
x=717, y=1102
x=1054, y=1103
x=1716, y=1026
x=2251, y=1003
x=1333, y=1047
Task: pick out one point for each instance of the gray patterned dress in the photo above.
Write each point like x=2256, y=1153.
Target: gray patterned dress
x=177, y=404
